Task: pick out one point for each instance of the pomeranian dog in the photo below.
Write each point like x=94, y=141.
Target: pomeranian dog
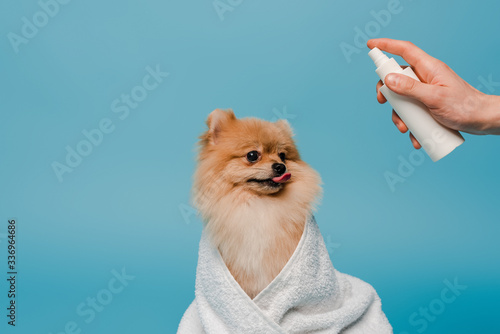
x=254, y=194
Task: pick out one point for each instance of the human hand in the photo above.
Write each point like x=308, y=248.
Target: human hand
x=450, y=100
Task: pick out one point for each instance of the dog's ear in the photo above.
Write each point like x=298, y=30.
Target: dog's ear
x=215, y=121
x=285, y=126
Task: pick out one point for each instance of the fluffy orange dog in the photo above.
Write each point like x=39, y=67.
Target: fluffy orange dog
x=254, y=194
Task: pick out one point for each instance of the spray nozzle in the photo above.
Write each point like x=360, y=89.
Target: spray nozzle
x=378, y=56
x=384, y=64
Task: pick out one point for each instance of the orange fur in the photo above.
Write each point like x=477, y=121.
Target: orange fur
x=255, y=227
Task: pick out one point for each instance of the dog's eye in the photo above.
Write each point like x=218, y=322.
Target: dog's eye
x=282, y=156
x=252, y=156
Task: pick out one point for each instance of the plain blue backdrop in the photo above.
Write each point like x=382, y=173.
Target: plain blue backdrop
x=125, y=205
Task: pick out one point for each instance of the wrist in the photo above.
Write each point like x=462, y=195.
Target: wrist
x=491, y=112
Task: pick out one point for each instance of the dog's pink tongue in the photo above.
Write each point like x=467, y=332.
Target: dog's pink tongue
x=283, y=178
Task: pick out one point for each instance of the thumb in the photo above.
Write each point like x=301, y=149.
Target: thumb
x=404, y=85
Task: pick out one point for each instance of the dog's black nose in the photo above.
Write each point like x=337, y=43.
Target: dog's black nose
x=279, y=169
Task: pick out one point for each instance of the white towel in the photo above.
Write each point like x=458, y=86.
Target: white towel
x=307, y=296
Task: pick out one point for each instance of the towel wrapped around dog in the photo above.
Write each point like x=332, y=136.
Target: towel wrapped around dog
x=307, y=296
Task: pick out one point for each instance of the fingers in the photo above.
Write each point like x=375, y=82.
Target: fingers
x=415, y=142
x=415, y=56
x=380, y=97
x=403, y=128
x=398, y=122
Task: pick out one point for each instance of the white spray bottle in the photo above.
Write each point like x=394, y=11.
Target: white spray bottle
x=436, y=139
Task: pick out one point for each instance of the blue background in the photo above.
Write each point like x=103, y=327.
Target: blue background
x=127, y=204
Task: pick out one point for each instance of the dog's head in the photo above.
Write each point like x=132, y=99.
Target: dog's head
x=244, y=159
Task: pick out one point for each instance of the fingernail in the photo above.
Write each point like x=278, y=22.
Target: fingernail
x=392, y=80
